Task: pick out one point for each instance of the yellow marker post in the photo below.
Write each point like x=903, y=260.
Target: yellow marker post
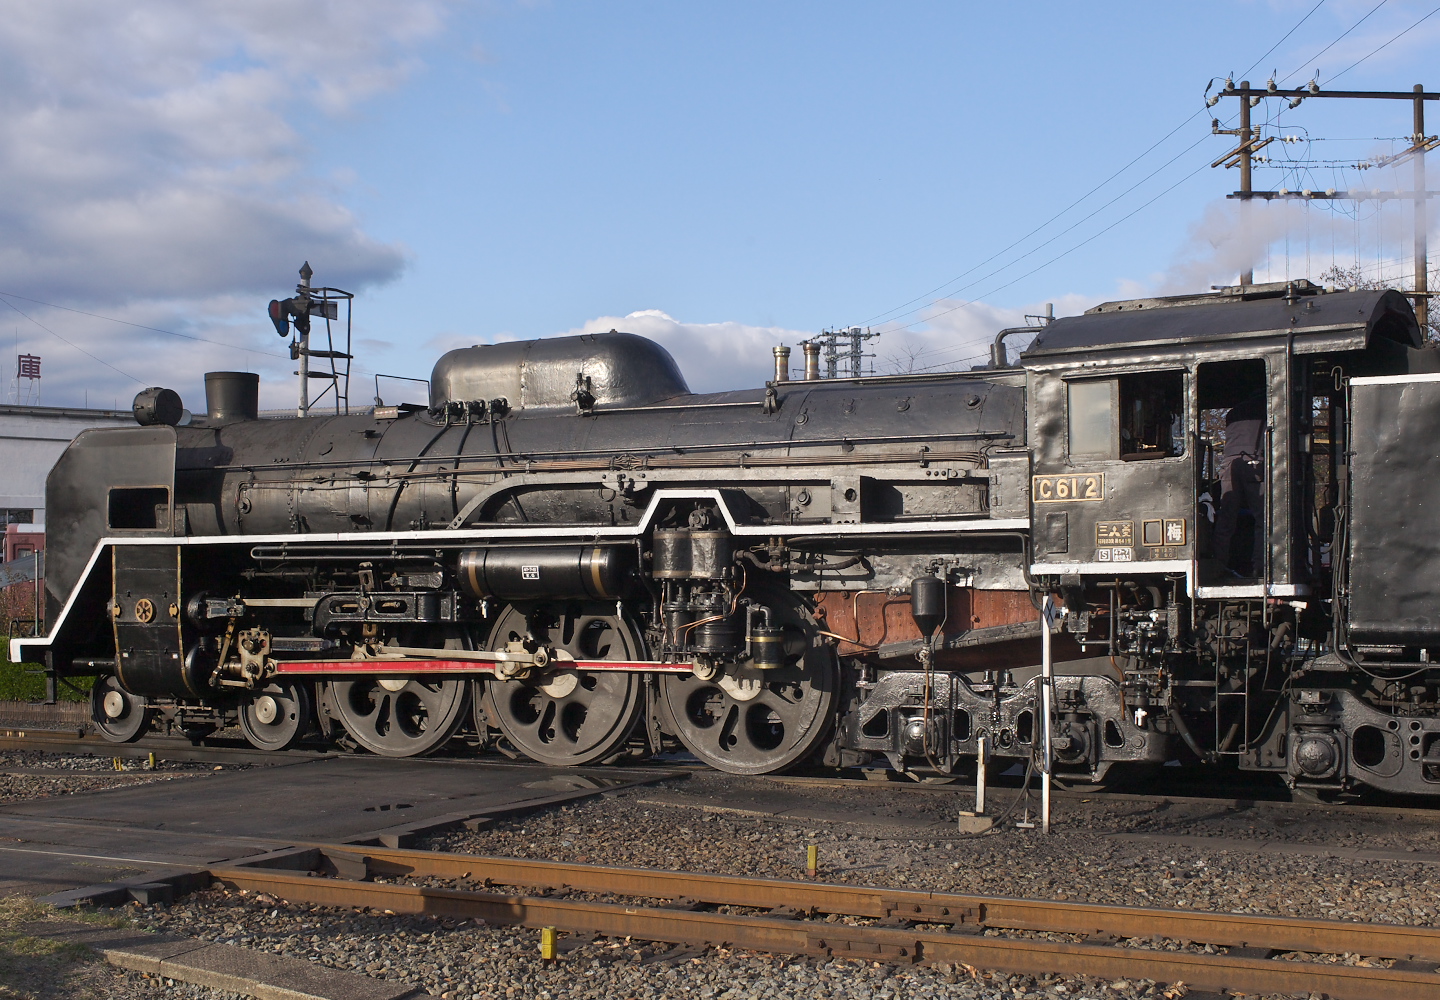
x=812, y=860
x=152, y=762
x=115, y=763
x=548, y=944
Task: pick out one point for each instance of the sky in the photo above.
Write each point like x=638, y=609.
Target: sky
x=720, y=177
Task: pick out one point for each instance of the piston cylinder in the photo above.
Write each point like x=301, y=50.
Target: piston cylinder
x=584, y=572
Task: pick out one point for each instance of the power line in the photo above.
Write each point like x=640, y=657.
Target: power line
x=1054, y=218
x=1064, y=253
x=142, y=326
x=1069, y=229
x=64, y=341
x=1287, y=34
x=6, y=296
x=903, y=309
x=1337, y=41
x=1412, y=27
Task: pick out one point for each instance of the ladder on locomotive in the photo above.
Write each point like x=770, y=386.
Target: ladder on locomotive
x=1238, y=712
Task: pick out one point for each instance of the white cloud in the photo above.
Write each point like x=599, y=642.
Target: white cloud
x=729, y=355
x=151, y=168
x=713, y=356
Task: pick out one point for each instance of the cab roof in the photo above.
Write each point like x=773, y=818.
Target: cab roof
x=1321, y=321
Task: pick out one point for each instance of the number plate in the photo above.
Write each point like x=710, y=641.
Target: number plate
x=1055, y=489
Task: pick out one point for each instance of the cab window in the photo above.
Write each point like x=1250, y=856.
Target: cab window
x=1092, y=418
x=1134, y=417
x=1152, y=415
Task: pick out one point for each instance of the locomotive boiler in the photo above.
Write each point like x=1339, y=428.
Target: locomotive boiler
x=566, y=553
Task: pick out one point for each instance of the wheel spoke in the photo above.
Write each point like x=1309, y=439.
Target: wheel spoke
x=418, y=718
x=568, y=717
x=776, y=729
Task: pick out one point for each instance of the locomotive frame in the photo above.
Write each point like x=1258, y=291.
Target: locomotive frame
x=570, y=553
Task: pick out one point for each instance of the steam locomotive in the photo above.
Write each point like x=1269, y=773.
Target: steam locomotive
x=566, y=552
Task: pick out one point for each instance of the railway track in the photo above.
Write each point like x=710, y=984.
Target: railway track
x=1246, y=953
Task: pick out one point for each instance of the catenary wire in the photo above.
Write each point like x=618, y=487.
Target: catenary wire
x=902, y=309
x=1412, y=27
x=140, y=326
x=69, y=343
x=1343, y=35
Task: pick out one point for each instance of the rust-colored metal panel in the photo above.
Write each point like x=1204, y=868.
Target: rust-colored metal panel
x=868, y=619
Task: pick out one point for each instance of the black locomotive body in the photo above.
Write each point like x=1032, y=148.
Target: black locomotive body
x=567, y=551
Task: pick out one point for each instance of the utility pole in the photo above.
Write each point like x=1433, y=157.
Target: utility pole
x=834, y=342
x=1422, y=265
x=1246, y=164
x=1241, y=156
x=1250, y=143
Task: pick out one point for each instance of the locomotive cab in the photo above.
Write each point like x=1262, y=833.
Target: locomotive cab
x=1129, y=414
x=1191, y=463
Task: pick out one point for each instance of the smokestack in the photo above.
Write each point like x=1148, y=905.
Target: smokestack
x=232, y=396
x=812, y=360
x=782, y=363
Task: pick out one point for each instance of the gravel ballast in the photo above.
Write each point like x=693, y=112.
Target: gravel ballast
x=466, y=960
x=1091, y=855
x=1102, y=850
x=31, y=774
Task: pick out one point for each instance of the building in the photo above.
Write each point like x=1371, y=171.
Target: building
x=31, y=440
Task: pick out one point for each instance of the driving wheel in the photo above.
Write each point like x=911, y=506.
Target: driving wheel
x=562, y=716
x=400, y=716
x=754, y=721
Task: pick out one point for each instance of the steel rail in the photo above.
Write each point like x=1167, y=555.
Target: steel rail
x=1231, y=929
x=957, y=940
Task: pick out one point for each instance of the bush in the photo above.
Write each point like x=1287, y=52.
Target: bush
x=17, y=684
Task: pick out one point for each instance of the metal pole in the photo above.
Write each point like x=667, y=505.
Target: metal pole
x=1422, y=265
x=1247, y=277
x=1245, y=135
x=304, y=290
x=37, y=592
x=980, y=777
x=1047, y=674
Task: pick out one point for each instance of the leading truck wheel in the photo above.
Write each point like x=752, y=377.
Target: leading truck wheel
x=277, y=716
x=121, y=717
x=566, y=717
